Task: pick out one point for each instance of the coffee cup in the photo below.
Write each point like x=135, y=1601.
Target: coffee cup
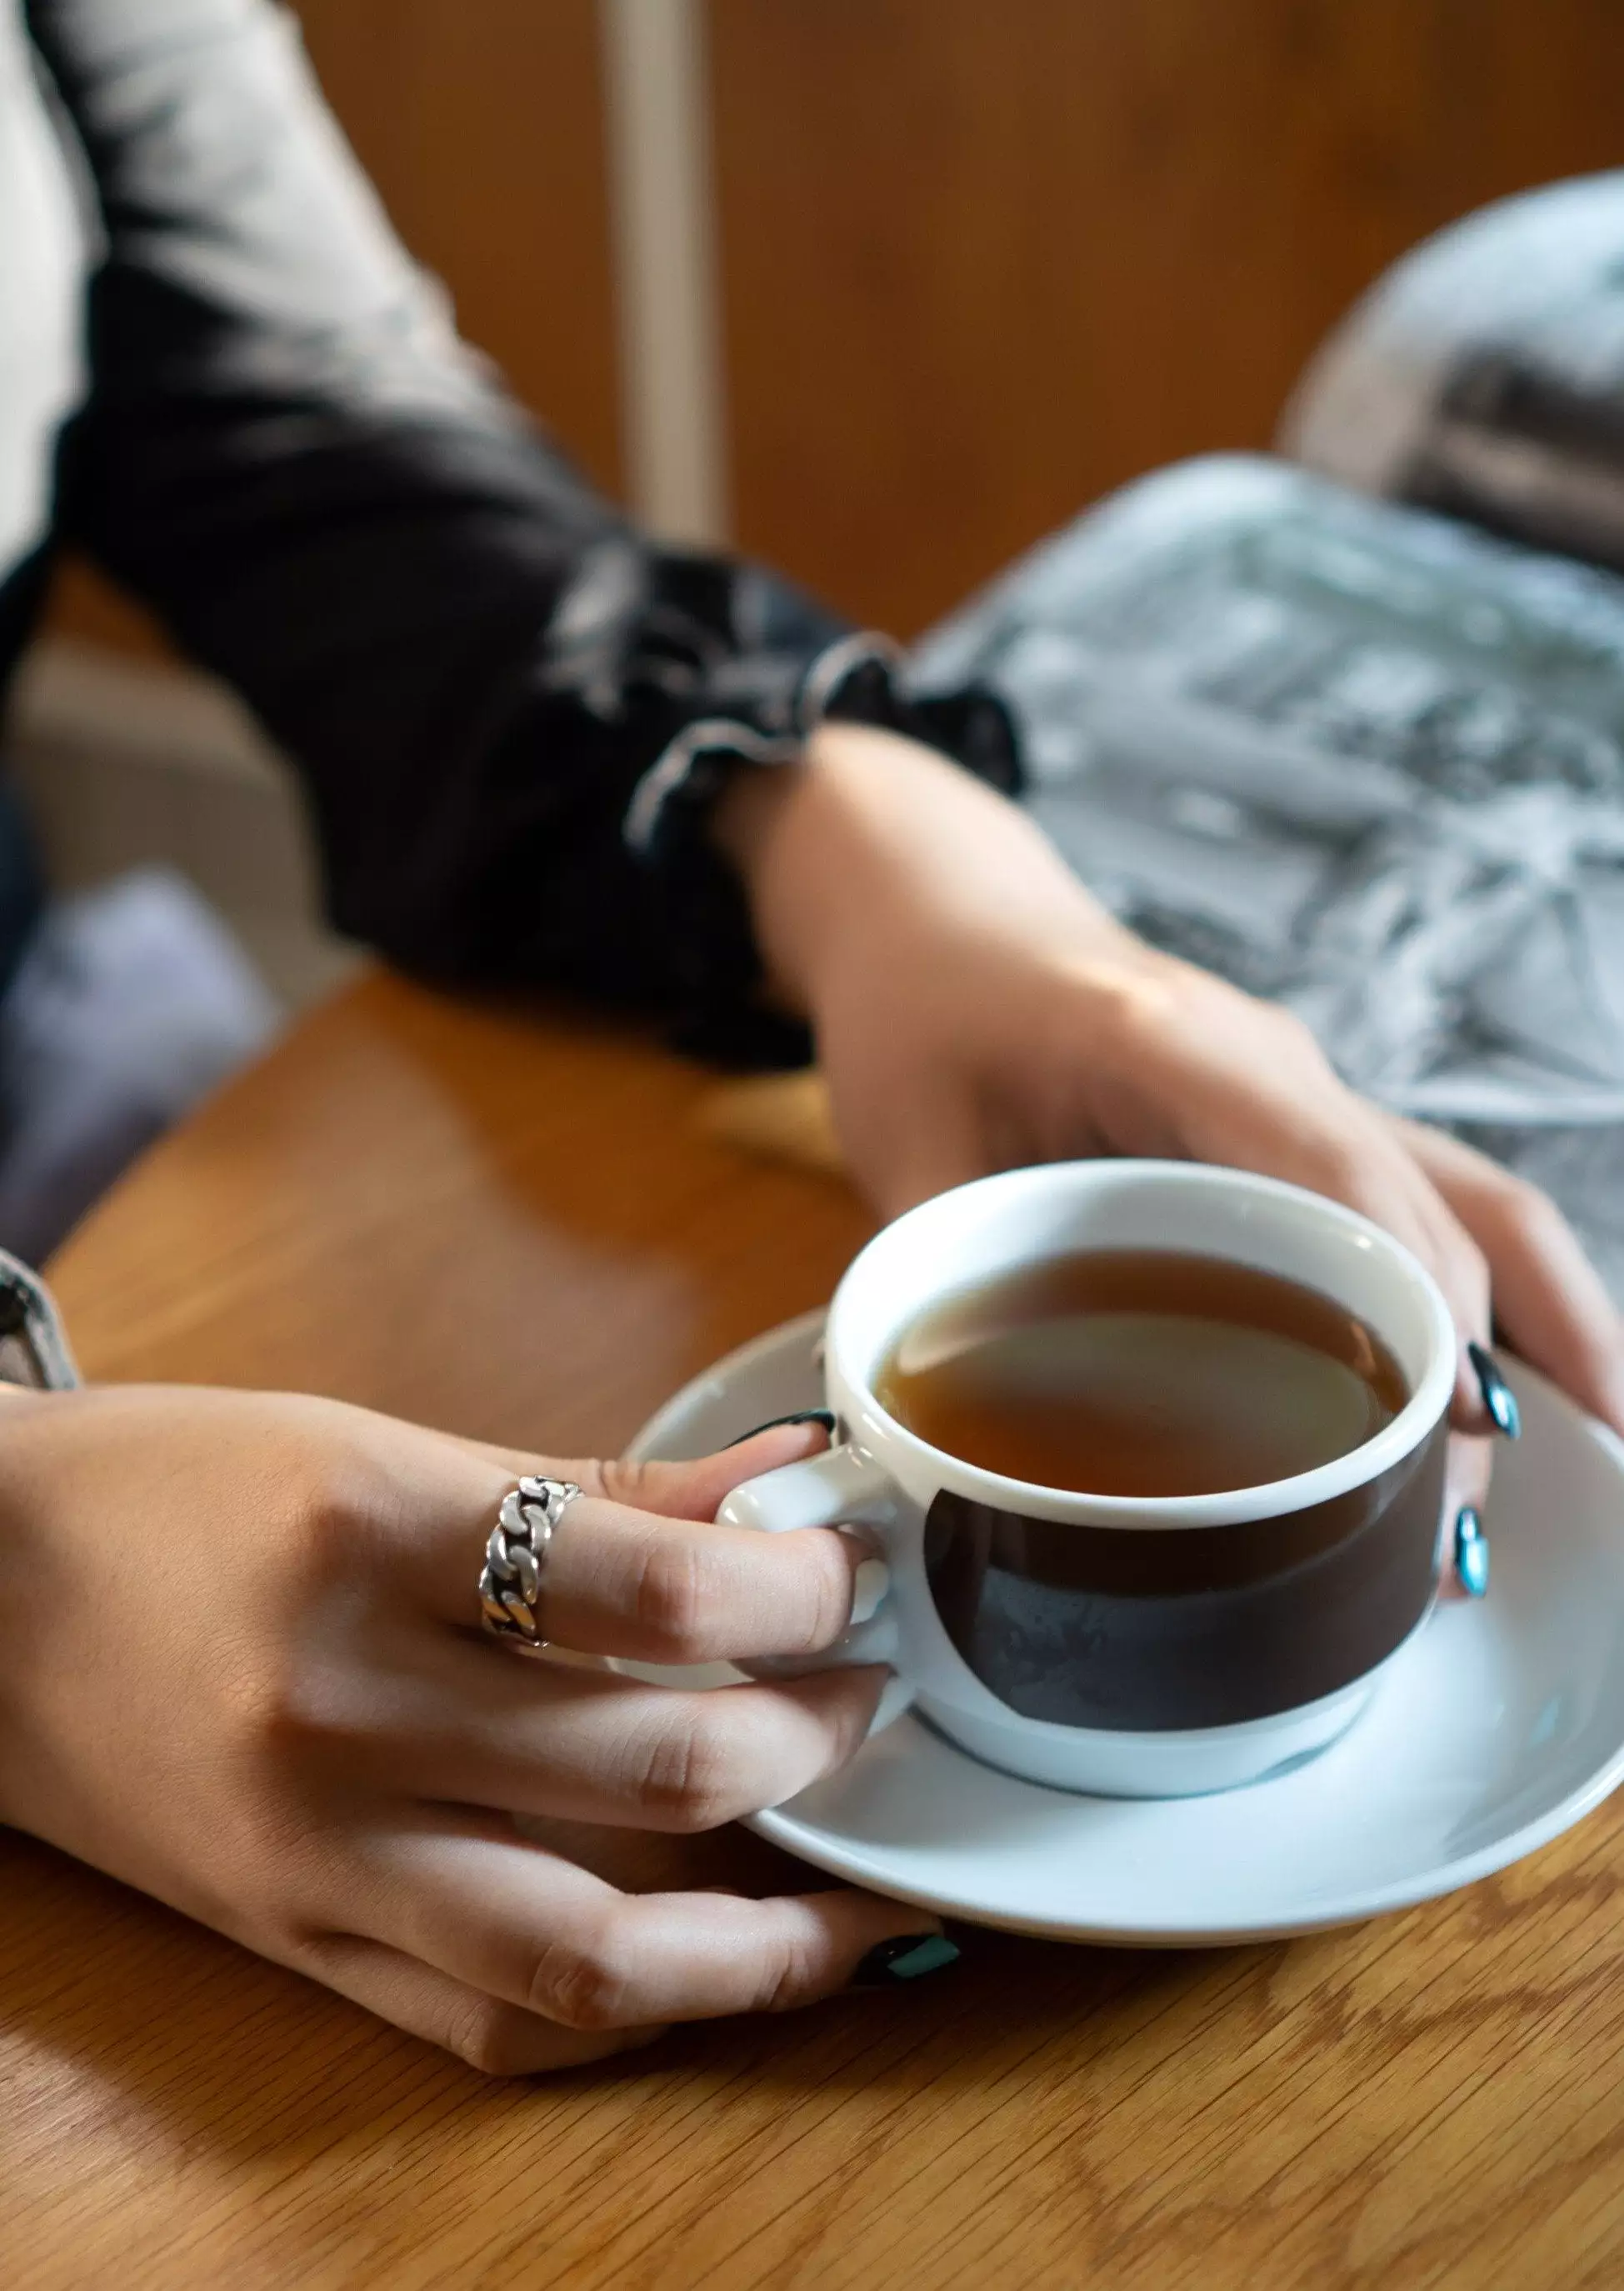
x=1135, y=1646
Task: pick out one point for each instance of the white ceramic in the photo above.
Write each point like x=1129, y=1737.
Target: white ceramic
x=886, y=1478
x=1500, y=1727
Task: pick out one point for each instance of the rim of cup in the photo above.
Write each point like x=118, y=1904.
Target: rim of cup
x=1228, y=1507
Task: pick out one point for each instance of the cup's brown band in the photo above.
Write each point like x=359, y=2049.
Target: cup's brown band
x=1148, y=1631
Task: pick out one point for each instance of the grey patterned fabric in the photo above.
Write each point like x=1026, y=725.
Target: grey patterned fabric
x=1364, y=761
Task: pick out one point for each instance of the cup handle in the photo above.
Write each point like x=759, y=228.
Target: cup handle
x=843, y=1487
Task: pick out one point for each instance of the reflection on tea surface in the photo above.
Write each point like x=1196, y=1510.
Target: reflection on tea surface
x=1142, y=1372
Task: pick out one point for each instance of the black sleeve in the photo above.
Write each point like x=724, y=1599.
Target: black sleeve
x=506, y=706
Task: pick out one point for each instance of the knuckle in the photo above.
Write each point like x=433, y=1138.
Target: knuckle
x=309, y=1712
x=1339, y=1169
x=853, y=1715
x=690, y=1780
x=835, y=1708
x=624, y=1481
x=291, y=1727
x=1142, y=1002
x=581, y=1985
x=345, y=1514
x=329, y=1524
x=1529, y=1216
x=492, y=2037
x=1294, y=1034
x=311, y=1704
x=278, y=1866
x=1199, y=999
x=789, y=1980
x=827, y=1567
x=1291, y=1068
x=673, y=1598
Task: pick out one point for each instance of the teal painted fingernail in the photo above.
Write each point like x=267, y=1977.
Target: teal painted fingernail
x=1498, y=1397
x=1471, y=1552
x=907, y=1956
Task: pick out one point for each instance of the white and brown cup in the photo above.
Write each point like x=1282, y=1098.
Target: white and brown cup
x=1133, y=1646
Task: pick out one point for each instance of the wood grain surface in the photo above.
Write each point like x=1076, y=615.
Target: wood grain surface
x=518, y=1228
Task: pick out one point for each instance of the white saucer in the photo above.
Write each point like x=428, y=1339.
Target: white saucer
x=1498, y=1728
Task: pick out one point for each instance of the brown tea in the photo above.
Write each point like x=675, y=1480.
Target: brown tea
x=1142, y=1372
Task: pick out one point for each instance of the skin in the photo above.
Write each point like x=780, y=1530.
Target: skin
x=976, y=1010
x=326, y=1766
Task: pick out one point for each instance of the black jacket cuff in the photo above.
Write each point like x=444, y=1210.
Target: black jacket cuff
x=855, y=678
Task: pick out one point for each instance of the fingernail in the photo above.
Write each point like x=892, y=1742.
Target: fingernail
x=823, y=1415
x=1498, y=1397
x=906, y=1956
x=869, y=1586
x=1471, y=1552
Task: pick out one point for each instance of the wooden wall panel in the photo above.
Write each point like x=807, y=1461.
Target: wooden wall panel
x=982, y=263
x=481, y=122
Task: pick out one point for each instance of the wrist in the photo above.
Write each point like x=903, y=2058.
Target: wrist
x=803, y=843
x=873, y=839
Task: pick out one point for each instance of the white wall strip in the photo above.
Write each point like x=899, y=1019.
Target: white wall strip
x=661, y=199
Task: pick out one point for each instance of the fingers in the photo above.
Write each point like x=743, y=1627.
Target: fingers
x=1462, y=1273
x=1548, y=1298
x=1476, y=1227
x=1353, y=1153
x=496, y=2037
x=1251, y=1087
x=583, y=1746
x=670, y=1491
x=619, y=1583
x=620, y=1580
x=513, y=1922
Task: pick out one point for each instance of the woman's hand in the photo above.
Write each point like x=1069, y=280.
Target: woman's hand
x=976, y=1009
x=240, y=1668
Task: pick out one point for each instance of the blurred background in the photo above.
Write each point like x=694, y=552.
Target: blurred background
x=882, y=290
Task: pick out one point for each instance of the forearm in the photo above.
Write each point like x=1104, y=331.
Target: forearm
x=472, y=659
x=873, y=838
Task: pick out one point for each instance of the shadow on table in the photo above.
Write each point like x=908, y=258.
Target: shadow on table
x=116, y=2005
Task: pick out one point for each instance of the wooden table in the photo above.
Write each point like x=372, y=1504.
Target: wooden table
x=520, y=1231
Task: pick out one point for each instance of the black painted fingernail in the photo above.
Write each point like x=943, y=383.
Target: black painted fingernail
x=1471, y=1552
x=1498, y=1397
x=906, y=1956
x=823, y=1415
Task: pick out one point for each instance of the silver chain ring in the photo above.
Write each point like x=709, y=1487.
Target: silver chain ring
x=510, y=1584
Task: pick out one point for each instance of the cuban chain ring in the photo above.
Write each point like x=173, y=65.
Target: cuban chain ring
x=510, y=1584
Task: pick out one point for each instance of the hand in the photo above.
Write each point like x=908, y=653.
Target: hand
x=976, y=1009
x=239, y=1668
